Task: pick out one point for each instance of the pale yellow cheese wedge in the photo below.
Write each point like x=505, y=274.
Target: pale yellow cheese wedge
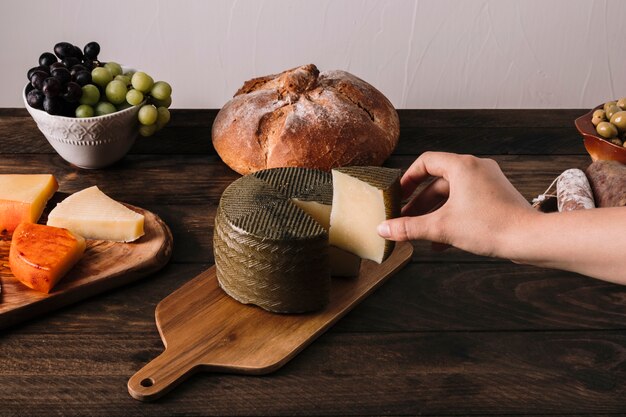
x=363, y=197
x=342, y=263
x=23, y=198
x=94, y=215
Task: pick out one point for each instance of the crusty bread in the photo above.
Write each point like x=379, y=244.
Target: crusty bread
x=305, y=118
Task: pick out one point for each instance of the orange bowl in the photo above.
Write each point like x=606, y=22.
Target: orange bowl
x=598, y=147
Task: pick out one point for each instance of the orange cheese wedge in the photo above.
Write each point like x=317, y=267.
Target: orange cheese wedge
x=41, y=255
x=23, y=198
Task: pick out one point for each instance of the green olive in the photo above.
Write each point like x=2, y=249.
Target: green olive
x=606, y=130
x=619, y=120
x=617, y=141
x=600, y=114
x=622, y=103
x=596, y=120
x=609, y=104
x=611, y=111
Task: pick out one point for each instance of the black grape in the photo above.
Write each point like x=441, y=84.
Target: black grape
x=64, y=49
x=70, y=61
x=57, y=65
x=61, y=74
x=35, y=98
x=53, y=105
x=92, y=50
x=37, y=79
x=83, y=78
x=76, y=69
x=78, y=53
x=46, y=59
x=51, y=87
x=72, y=92
x=31, y=71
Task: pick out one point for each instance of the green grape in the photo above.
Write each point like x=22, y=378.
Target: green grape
x=161, y=90
x=101, y=76
x=162, y=103
x=147, y=130
x=104, y=107
x=124, y=78
x=142, y=81
x=84, y=110
x=147, y=114
x=91, y=95
x=134, y=97
x=114, y=67
x=163, y=117
x=116, y=92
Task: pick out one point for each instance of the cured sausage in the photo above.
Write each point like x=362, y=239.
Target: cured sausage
x=608, y=181
x=573, y=191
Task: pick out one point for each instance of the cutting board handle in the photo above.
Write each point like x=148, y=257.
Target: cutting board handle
x=160, y=375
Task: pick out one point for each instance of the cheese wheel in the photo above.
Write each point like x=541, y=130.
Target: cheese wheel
x=268, y=252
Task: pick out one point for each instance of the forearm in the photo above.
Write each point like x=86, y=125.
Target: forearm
x=590, y=242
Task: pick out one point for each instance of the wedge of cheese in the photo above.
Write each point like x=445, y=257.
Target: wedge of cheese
x=342, y=263
x=41, y=255
x=23, y=198
x=94, y=215
x=363, y=197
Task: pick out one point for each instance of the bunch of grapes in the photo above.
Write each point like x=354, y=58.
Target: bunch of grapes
x=74, y=83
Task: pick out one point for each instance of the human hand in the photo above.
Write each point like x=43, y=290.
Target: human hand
x=470, y=204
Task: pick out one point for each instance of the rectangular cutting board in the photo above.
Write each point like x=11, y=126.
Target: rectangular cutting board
x=203, y=329
x=105, y=265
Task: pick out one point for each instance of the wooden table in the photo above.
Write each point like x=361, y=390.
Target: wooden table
x=451, y=334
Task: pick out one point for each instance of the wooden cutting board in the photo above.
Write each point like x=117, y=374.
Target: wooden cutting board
x=104, y=265
x=203, y=329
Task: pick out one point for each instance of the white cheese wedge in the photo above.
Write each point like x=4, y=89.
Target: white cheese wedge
x=363, y=197
x=94, y=215
x=342, y=263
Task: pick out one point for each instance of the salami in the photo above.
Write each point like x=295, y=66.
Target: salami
x=608, y=181
x=573, y=191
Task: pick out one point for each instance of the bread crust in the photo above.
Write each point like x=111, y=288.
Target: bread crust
x=305, y=118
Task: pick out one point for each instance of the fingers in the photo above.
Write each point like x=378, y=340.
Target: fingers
x=407, y=228
x=429, y=198
x=426, y=165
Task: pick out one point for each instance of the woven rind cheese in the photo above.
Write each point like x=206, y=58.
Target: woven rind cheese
x=268, y=252
x=363, y=197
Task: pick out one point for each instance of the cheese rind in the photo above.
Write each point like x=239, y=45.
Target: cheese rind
x=23, y=198
x=268, y=252
x=41, y=255
x=363, y=197
x=94, y=215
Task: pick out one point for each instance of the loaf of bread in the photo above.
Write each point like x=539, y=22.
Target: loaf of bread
x=305, y=118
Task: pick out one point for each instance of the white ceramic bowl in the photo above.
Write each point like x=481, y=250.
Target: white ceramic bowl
x=90, y=142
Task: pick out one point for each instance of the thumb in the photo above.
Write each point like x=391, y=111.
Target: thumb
x=403, y=228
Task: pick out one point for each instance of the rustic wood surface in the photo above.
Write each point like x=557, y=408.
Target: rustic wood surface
x=450, y=334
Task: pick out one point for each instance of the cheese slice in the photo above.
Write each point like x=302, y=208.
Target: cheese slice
x=94, y=215
x=363, y=197
x=342, y=263
x=41, y=255
x=23, y=198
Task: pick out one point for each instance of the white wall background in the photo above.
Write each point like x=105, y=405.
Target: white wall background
x=420, y=53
